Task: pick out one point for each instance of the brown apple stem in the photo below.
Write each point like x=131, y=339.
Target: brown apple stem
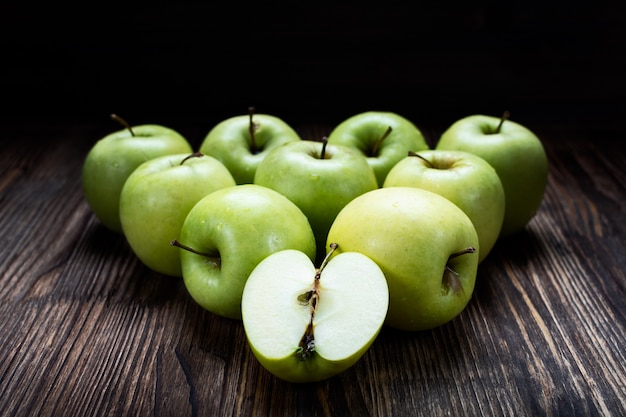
x=324, y=144
x=193, y=155
x=470, y=249
x=252, y=130
x=306, y=347
x=411, y=153
x=123, y=123
x=376, y=147
x=333, y=247
x=504, y=117
x=215, y=259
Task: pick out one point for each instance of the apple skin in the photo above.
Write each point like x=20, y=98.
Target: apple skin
x=114, y=157
x=411, y=234
x=363, y=130
x=229, y=141
x=516, y=154
x=319, y=187
x=241, y=225
x=466, y=179
x=156, y=198
x=351, y=309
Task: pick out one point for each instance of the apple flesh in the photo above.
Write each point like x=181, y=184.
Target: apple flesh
x=305, y=324
x=466, y=179
x=425, y=246
x=156, y=198
x=227, y=233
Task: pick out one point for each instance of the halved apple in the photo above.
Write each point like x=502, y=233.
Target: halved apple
x=306, y=324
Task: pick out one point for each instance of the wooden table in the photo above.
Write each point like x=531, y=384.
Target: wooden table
x=87, y=330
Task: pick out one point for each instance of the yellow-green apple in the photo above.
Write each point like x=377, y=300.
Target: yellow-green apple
x=306, y=324
x=225, y=236
x=383, y=137
x=156, y=199
x=241, y=142
x=466, y=179
x=425, y=246
x=517, y=155
x=319, y=178
x=114, y=157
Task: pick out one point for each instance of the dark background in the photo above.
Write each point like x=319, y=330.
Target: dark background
x=195, y=64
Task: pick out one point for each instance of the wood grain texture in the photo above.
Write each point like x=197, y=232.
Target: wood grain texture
x=87, y=330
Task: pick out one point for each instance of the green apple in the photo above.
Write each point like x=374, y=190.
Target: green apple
x=114, y=157
x=156, y=199
x=241, y=142
x=225, y=236
x=383, y=137
x=466, y=179
x=516, y=154
x=425, y=246
x=305, y=324
x=319, y=178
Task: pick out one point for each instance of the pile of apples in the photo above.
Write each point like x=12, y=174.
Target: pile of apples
x=315, y=245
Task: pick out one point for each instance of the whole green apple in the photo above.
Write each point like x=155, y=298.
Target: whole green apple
x=225, y=236
x=516, y=154
x=114, y=157
x=305, y=324
x=241, y=142
x=466, y=179
x=156, y=199
x=425, y=246
x=383, y=137
x=319, y=178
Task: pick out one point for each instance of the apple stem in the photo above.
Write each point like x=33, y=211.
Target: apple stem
x=122, y=122
x=306, y=347
x=504, y=117
x=451, y=279
x=214, y=259
x=324, y=144
x=376, y=147
x=333, y=247
x=411, y=153
x=252, y=127
x=470, y=249
x=193, y=155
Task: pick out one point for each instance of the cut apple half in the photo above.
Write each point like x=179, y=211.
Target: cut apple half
x=306, y=324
